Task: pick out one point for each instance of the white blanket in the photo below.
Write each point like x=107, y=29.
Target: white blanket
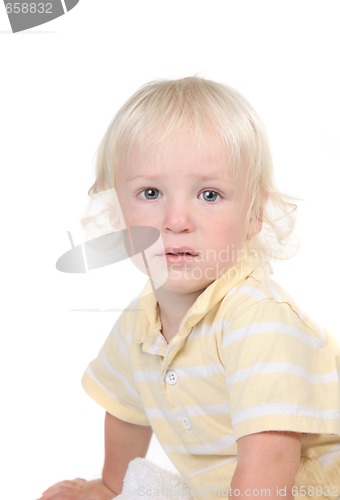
x=144, y=480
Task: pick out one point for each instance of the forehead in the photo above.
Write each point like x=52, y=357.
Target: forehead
x=181, y=153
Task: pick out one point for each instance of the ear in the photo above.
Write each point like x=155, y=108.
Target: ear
x=254, y=228
x=106, y=204
x=116, y=222
x=256, y=215
x=255, y=225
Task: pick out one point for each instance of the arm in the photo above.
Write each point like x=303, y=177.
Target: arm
x=267, y=461
x=123, y=443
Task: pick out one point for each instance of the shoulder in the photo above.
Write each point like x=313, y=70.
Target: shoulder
x=259, y=305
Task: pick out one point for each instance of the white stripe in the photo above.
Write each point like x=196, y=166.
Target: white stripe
x=284, y=409
x=117, y=374
x=122, y=343
x=287, y=368
x=233, y=290
x=153, y=413
x=159, y=343
x=147, y=376
x=331, y=456
x=175, y=448
x=252, y=292
x=122, y=347
x=215, y=447
x=209, y=330
x=212, y=467
x=203, y=449
x=221, y=409
x=189, y=371
x=190, y=411
x=128, y=336
x=113, y=394
x=200, y=371
x=273, y=290
x=91, y=373
x=269, y=327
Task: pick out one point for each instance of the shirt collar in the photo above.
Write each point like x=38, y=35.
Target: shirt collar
x=213, y=294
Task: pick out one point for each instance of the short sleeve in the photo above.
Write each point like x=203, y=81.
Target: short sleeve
x=109, y=378
x=281, y=373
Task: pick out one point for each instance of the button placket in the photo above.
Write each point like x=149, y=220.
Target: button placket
x=171, y=377
x=186, y=423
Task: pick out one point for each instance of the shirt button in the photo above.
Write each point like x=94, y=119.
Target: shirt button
x=186, y=423
x=171, y=377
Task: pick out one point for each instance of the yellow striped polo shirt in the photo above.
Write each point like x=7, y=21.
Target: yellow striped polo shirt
x=244, y=360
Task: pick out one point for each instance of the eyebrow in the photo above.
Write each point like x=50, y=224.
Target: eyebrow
x=203, y=177
x=145, y=177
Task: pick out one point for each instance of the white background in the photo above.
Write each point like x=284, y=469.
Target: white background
x=60, y=85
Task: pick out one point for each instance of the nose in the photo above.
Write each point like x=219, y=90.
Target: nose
x=178, y=217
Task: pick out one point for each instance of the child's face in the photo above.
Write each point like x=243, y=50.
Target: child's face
x=192, y=199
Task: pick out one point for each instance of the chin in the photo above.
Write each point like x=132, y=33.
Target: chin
x=186, y=286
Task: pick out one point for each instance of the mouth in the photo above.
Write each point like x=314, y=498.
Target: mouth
x=181, y=251
x=180, y=254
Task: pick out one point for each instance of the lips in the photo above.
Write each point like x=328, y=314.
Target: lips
x=181, y=251
x=180, y=255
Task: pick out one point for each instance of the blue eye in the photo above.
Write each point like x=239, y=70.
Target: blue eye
x=150, y=194
x=209, y=195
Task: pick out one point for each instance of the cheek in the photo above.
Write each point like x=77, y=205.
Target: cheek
x=230, y=230
x=136, y=216
x=129, y=213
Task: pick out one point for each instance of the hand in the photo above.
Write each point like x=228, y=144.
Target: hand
x=78, y=489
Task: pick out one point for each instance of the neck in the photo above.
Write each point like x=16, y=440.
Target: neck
x=173, y=307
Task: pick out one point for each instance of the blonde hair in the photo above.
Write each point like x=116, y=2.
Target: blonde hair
x=209, y=110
